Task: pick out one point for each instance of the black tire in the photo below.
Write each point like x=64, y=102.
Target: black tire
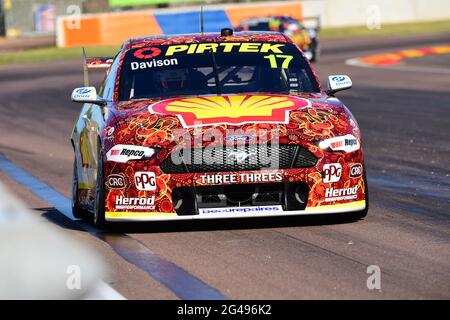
x=99, y=204
x=315, y=50
x=77, y=210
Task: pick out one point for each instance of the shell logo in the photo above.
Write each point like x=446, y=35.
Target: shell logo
x=231, y=110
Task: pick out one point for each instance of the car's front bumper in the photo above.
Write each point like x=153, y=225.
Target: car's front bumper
x=159, y=216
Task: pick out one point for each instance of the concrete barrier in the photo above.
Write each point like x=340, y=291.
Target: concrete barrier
x=114, y=28
x=340, y=13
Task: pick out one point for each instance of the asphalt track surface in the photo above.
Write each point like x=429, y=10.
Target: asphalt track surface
x=405, y=120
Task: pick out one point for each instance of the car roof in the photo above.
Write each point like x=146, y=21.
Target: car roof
x=244, y=36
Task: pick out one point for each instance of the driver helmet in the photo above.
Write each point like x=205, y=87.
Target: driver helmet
x=174, y=79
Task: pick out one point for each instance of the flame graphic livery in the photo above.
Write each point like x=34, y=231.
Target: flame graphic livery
x=232, y=110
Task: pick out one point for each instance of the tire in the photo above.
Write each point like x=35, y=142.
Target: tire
x=77, y=210
x=99, y=204
x=315, y=50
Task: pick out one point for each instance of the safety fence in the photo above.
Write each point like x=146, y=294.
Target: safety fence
x=32, y=17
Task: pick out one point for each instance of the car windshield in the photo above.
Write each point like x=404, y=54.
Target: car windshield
x=212, y=68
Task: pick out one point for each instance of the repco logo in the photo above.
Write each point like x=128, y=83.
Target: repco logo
x=145, y=181
x=116, y=181
x=356, y=170
x=332, y=172
x=131, y=153
x=351, y=142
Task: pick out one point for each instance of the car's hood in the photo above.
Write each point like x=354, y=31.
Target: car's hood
x=294, y=118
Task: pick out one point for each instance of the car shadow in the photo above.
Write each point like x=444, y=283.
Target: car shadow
x=61, y=220
x=227, y=224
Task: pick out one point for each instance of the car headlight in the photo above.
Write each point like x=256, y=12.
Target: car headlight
x=124, y=152
x=347, y=143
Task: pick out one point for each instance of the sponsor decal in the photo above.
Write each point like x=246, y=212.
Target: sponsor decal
x=347, y=143
x=116, y=181
x=153, y=63
x=356, y=170
x=86, y=93
x=123, y=203
x=225, y=47
x=83, y=90
x=122, y=153
x=145, y=181
x=237, y=138
x=147, y=53
x=232, y=110
x=99, y=62
x=249, y=210
x=276, y=176
x=340, y=81
x=109, y=131
x=332, y=172
x=332, y=194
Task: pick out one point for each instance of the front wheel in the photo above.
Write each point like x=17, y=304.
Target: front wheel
x=99, y=205
x=77, y=211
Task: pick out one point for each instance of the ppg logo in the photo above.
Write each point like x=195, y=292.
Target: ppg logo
x=332, y=172
x=145, y=181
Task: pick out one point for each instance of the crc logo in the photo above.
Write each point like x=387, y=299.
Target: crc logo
x=239, y=156
x=356, y=170
x=332, y=172
x=145, y=181
x=116, y=181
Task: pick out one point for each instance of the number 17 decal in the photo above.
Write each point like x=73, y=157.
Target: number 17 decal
x=274, y=63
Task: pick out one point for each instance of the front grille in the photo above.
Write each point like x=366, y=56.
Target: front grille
x=238, y=158
x=290, y=195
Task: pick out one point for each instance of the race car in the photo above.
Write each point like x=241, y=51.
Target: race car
x=306, y=38
x=214, y=125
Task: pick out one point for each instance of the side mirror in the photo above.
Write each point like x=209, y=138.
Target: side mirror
x=337, y=83
x=87, y=95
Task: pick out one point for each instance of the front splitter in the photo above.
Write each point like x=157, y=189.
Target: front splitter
x=164, y=216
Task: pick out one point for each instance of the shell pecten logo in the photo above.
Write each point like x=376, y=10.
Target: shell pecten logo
x=231, y=110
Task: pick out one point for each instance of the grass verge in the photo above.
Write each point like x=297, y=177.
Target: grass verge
x=54, y=54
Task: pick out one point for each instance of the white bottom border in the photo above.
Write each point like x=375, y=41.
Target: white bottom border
x=311, y=211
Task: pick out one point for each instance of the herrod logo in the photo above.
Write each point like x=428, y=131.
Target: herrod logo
x=232, y=110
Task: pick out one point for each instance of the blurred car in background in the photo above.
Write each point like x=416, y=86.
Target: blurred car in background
x=305, y=38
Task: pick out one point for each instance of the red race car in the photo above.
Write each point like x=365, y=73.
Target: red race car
x=220, y=125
